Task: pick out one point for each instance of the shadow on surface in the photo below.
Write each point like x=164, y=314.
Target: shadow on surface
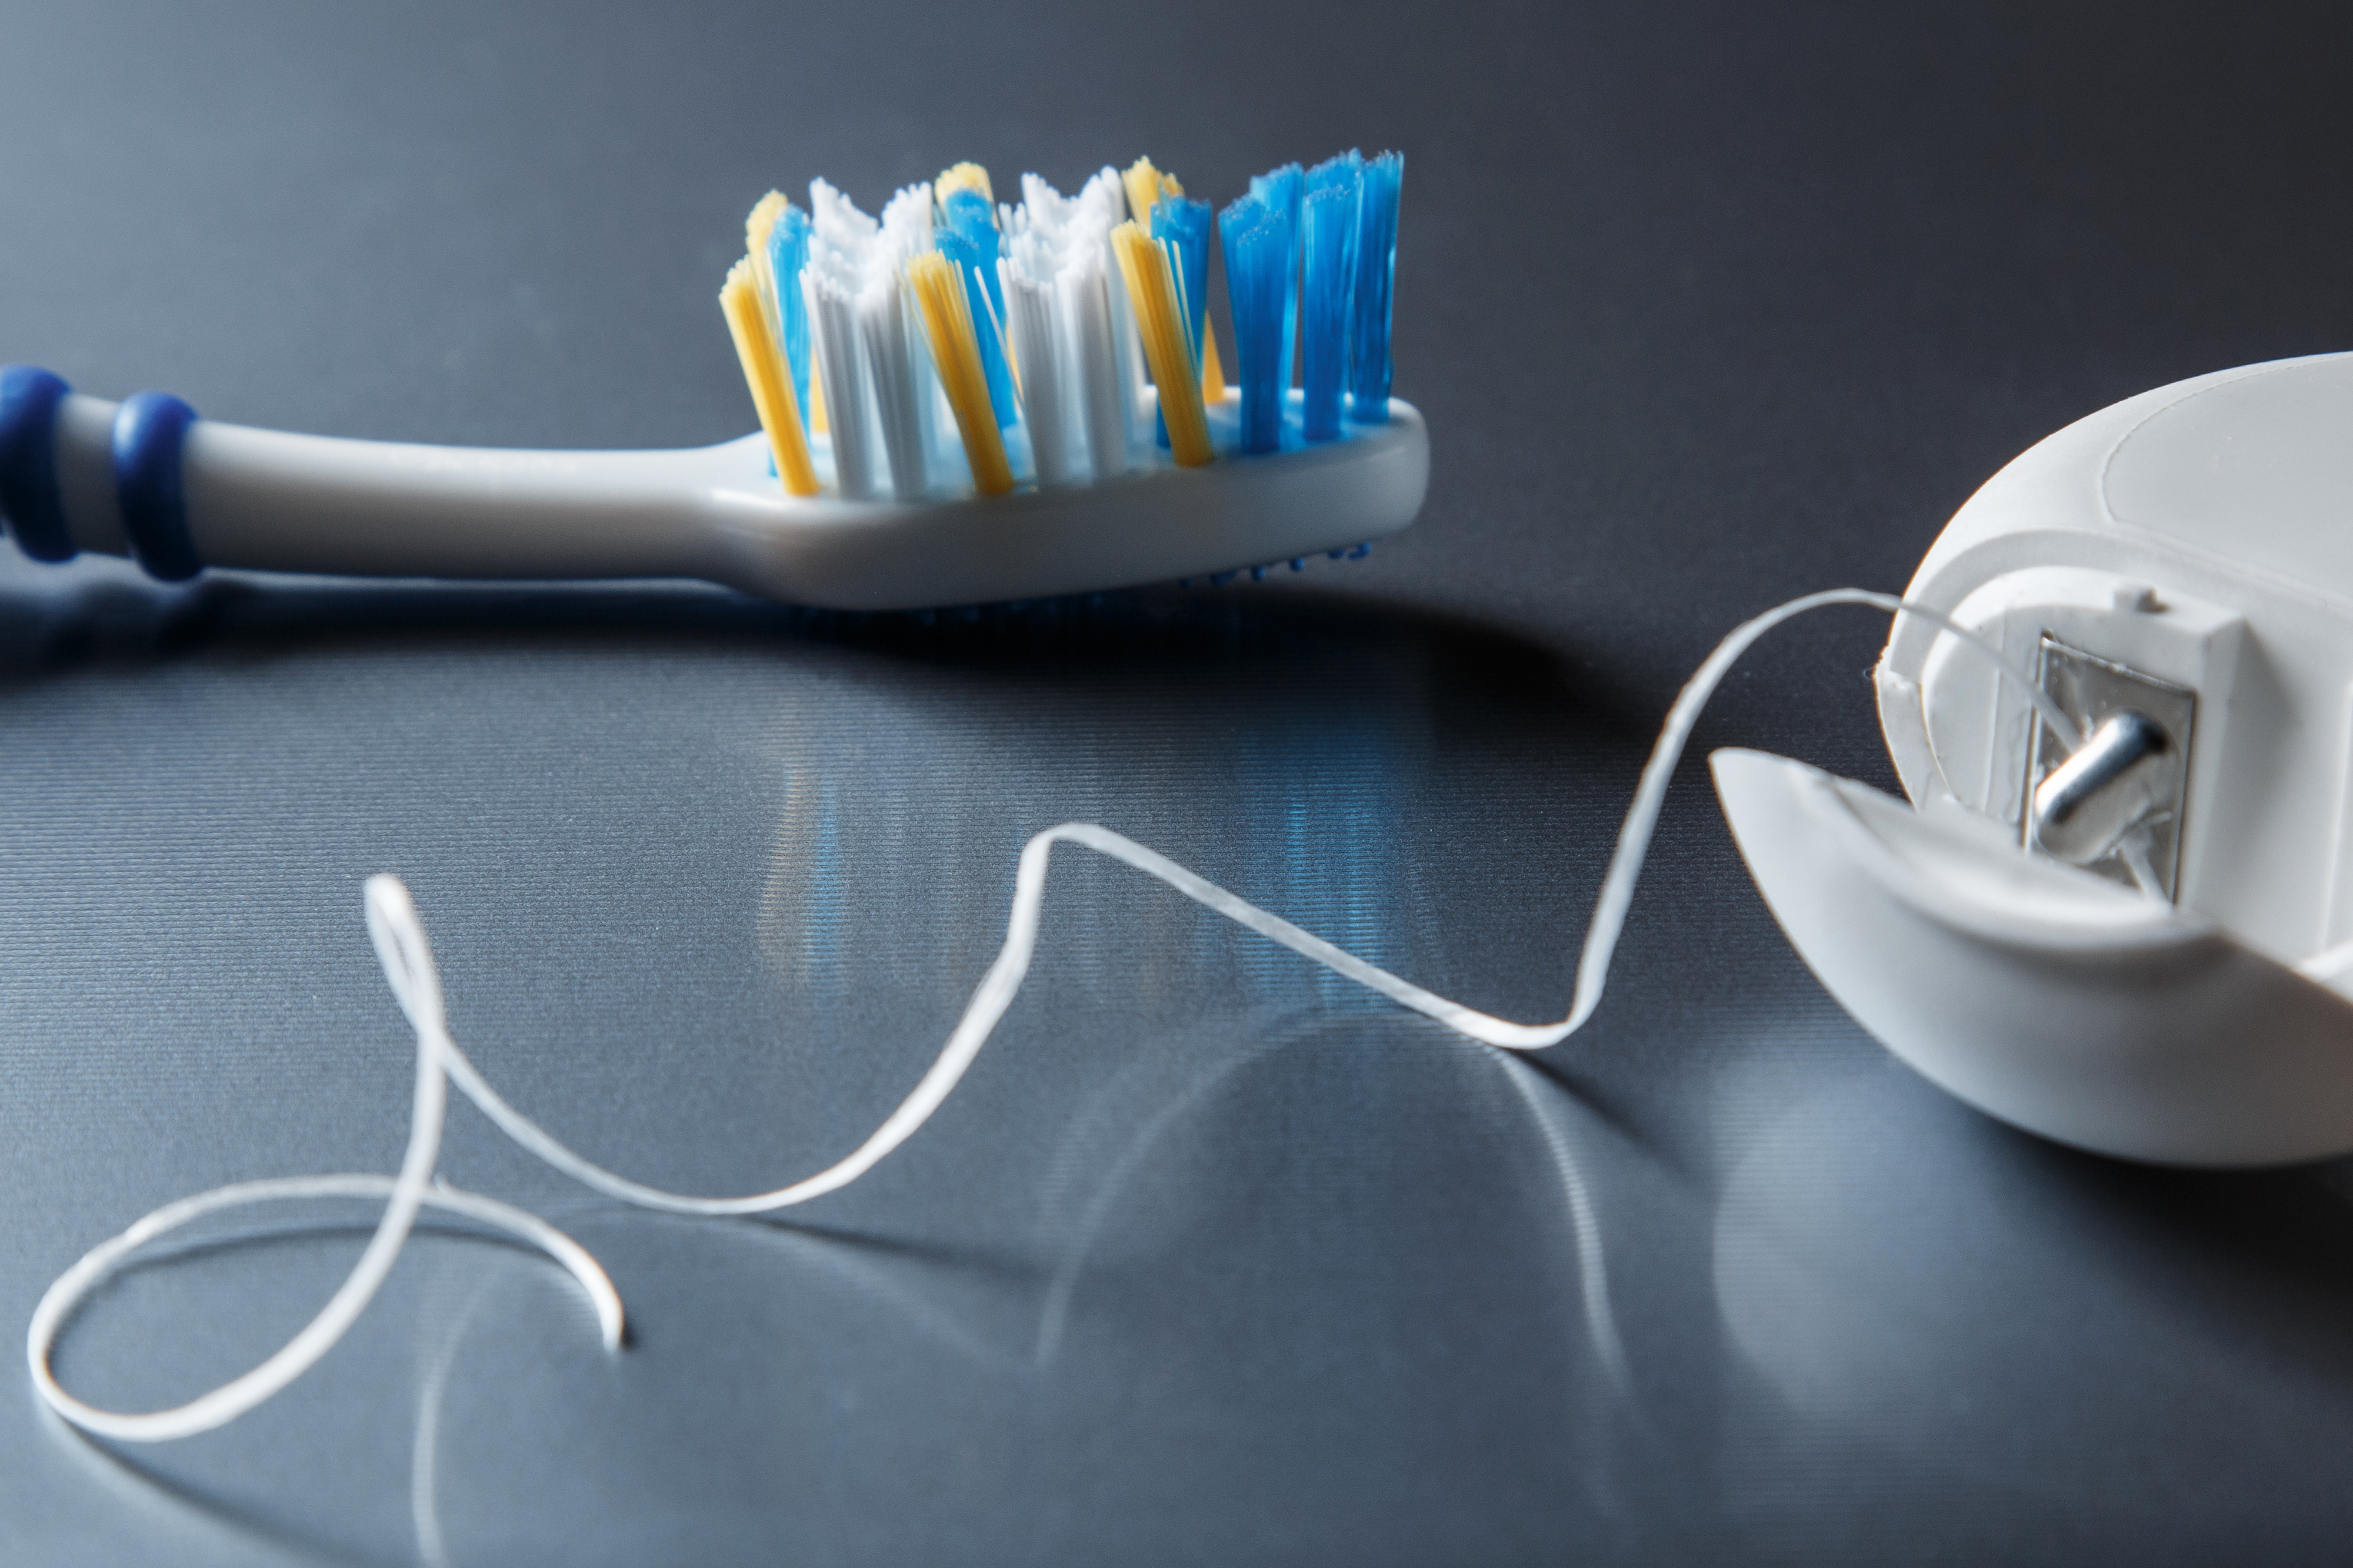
x=103, y=611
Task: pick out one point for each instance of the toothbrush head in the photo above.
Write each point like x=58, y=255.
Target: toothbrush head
x=988, y=432
x=1161, y=524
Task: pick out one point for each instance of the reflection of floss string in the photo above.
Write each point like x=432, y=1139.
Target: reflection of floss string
x=408, y=959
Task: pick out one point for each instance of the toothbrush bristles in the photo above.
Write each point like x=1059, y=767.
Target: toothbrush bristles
x=1328, y=247
x=1175, y=261
x=1369, y=364
x=963, y=177
x=772, y=391
x=1042, y=317
x=882, y=311
x=841, y=364
x=966, y=235
x=1282, y=189
x=1258, y=251
x=978, y=289
x=758, y=224
x=947, y=326
x=1181, y=228
x=785, y=251
x=1145, y=186
x=1158, y=316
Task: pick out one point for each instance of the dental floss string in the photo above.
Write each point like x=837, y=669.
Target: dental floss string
x=408, y=958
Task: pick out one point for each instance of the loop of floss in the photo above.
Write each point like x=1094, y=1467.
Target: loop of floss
x=406, y=955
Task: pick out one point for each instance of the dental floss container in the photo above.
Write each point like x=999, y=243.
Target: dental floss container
x=2146, y=949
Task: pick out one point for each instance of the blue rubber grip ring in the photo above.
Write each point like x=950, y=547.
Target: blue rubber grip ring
x=149, y=430
x=29, y=398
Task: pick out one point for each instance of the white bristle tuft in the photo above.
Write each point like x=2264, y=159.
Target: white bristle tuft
x=841, y=361
x=869, y=349
x=1084, y=356
x=1028, y=276
x=844, y=244
x=835, y=220
x=907, y=234
x=907, y=221
x=1085, y=299
x=902, y=383
x=1108, y=197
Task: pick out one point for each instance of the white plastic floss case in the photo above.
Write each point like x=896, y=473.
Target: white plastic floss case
x=2177, y=573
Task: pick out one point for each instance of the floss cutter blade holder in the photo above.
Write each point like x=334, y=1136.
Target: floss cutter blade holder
x=2177, y=572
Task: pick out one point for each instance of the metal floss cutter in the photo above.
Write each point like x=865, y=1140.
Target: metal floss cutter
x=2137, y=951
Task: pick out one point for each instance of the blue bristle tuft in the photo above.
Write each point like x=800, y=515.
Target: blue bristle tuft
x=1258, y=250
x=1281, y=190
x=967, y=236
x=1377, y=226
x=788, y=245
x=1299, y=563
x=1187, y=222
x=1328, y=247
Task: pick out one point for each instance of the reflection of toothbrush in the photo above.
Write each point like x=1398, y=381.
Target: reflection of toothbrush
x=990, y=434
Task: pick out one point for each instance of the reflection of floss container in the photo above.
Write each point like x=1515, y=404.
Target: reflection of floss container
x=2177, y=572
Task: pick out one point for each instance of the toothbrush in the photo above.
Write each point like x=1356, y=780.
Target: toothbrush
x=953, y=406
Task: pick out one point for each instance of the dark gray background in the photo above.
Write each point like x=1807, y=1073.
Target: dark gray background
x=1213, y=1261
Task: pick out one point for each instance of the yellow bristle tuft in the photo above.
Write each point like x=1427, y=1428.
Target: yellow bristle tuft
x=757, y=228
x=763, y=369
x=963, y=177
x=955, y=354
x=1146, y=187
x=764, y=217
x=1143, y=184
x=817, y=427
x=1166, y=348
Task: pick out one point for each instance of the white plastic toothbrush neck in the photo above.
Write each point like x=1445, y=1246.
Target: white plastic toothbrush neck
x=269, y=500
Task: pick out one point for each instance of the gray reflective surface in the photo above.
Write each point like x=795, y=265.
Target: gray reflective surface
x=1212, y=1259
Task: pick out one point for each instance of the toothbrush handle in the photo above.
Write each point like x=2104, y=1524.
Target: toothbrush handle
x=315, y=504
x=270, y=501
